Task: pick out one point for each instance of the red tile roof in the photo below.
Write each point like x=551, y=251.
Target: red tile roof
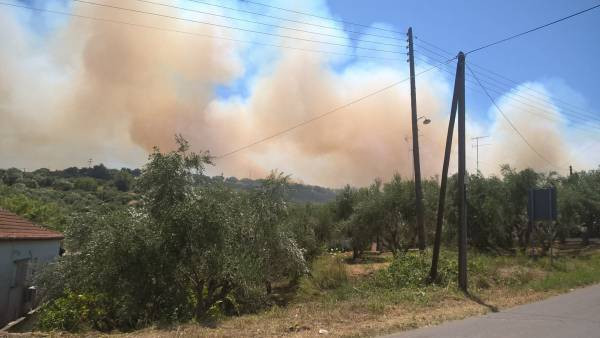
x=13, y=227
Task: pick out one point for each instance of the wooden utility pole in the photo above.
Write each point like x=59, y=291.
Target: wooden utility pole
x=442, y=200
x=462, y=207
x=415, y=135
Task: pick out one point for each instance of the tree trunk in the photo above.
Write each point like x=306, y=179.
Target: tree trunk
x=355, y=253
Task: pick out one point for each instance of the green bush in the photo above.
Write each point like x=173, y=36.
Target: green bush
x=86, y=184
x=186, y=252
x=30, y=183
x=123, y=181
x=411, y=270
x=63, y=185
x=12, y=176
x=407, y=270
x=48, y=214
x=72, y=312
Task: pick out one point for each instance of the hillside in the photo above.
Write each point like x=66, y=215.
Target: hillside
x=297, y=192
x=52, y=196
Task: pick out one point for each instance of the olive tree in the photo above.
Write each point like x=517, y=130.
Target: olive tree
x=184, y=251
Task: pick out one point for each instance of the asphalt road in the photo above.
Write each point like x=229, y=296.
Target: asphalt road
x=574, y=314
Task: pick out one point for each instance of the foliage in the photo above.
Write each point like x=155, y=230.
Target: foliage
x=12, y=176
x=47, y=213
x=411, y=270
x=123, y=180
x=328, y=272
x=63, y=184
x=488, y=219
x=99, y=172
x=168, y=244
x=383, y=213
x=303, y=224
x=186, y=252
x=85, y=183
x=73, y=312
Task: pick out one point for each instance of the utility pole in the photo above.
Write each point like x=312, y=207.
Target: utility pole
x=462, y=207
x=442, y=200
x=408, y=154
x=570, y=170
x=415, y=135
x=477, y=145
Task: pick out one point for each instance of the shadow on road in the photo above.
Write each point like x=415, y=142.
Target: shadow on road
x=479, y=301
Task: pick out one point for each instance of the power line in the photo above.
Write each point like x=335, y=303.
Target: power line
x=304, y=22
x=193, y=33
x=581, y=150
x=494, y=77
x=534, y=98
x=266, y=44
x=268, y=24
x=532, y=30
x=303, y=123
x=513, y=101
x=509, y=122
x=524, y=100
x=235, y=28
x=317, y=16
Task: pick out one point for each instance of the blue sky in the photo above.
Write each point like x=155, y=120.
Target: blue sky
x=563, y=57
x=567, y=53
x=224, y=95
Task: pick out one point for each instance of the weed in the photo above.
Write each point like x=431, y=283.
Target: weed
x=328, y=272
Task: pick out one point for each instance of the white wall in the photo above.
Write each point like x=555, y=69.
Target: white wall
x=11, y=251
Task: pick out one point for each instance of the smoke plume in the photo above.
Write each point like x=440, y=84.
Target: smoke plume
x=88, y=89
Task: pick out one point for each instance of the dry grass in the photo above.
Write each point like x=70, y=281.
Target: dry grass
x=368, y=265
x=348, y=319
x=352, y=311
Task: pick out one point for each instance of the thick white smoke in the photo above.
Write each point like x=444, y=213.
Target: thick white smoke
x=88, y=89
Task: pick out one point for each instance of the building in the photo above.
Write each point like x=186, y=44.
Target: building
x=22, y=246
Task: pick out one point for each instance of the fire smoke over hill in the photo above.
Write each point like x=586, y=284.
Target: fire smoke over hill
x=112, y=92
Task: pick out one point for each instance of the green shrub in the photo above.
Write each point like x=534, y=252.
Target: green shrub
x=86, y=184
x=48, y=214
x=12, y=176
x=186, y=252
x=123, y=181
x=63, y=185
x=407, y=270
x=411, y=270
x=72, y=312
x=30, y=183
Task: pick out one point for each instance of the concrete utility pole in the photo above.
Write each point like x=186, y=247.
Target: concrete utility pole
x=415, y=135
x=442, y=200
x=462, y=192
x=477, y=145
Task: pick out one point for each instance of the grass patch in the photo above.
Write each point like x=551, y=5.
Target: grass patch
x=394, y=297
x=327, y=272
x=569, y=273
